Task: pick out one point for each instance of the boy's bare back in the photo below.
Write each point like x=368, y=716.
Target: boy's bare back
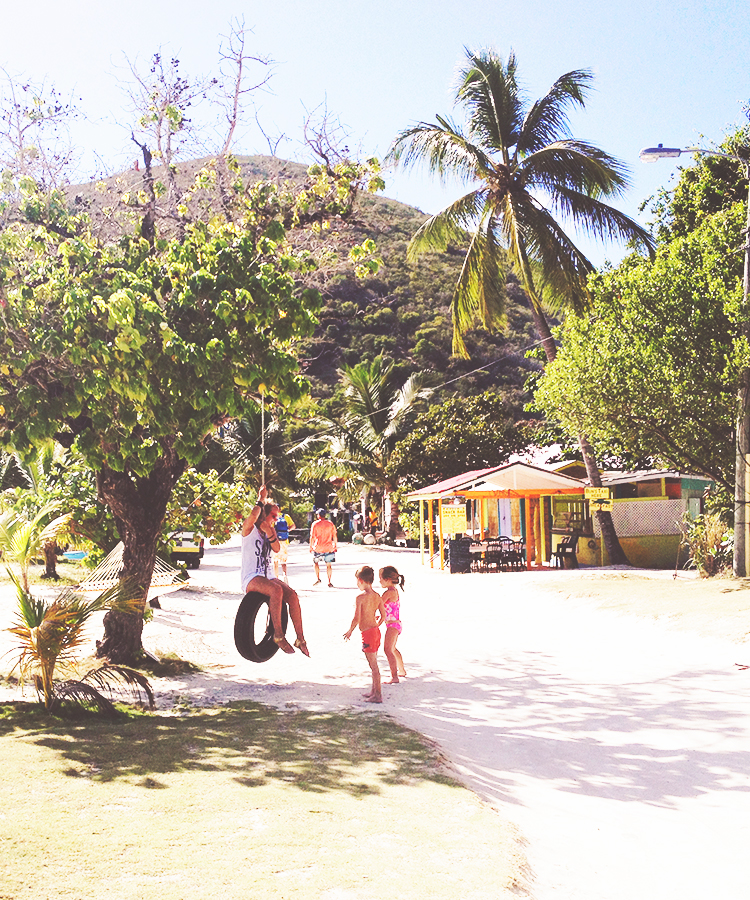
x=368, y=604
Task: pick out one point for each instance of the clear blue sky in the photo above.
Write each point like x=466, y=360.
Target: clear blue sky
x=674, y=72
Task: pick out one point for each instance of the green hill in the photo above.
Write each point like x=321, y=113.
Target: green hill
x=403, y=312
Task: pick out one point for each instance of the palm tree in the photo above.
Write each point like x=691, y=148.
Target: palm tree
x=525, y=171
x=21, y=539
x=358, y=446
x=51, y=632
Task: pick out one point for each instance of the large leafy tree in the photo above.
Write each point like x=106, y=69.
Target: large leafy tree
x=651, y=370
x=132, y=331
x=526, y=174
x=356, y=446
x=457, y=436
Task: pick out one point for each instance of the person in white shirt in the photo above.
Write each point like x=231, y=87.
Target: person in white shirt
x=259, y=539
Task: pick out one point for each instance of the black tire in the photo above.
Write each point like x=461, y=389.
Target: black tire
x=252, y=613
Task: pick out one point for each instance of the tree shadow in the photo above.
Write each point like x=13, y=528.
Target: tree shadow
x=256, y=745
x=652, y=743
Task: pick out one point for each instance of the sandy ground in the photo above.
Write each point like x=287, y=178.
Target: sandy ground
x=601, y=711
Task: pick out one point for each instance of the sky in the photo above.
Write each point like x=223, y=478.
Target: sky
x=672, y=72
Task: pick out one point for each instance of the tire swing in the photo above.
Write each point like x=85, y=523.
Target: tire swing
x=253, y=628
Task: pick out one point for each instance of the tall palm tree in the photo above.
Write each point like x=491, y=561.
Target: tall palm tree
x=358, y=446
x=525, y=171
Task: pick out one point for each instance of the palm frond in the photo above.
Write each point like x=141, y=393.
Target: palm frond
x=489, y=90
x=548, y=118
x=115, y=678
x=564, y=267
x=450, y=225
x=444, y=148
x=599, y=219
x=577, y=165
x=13, y=473
x=479, y=295
x=412, y=390
x=80, y=694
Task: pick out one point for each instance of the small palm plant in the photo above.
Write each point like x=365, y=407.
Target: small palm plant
x=51, y=632
x=21, y=540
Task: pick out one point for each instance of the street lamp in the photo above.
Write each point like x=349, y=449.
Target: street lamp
x=742, y=449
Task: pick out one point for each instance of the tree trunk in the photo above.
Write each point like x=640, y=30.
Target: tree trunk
x=609, y=534
x=615, y=552
x=50, y=561
x=139, y=506
x=392, y=510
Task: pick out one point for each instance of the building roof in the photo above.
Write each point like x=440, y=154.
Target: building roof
x=517, y=477
x=619, y=477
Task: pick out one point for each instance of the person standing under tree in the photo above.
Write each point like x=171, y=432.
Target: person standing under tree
x=323, y=544
x=281, y=558
x=259, y=539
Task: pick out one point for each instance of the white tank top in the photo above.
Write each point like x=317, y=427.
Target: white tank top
x=256, y=552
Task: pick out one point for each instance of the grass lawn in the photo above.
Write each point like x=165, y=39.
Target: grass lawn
x=239, y=802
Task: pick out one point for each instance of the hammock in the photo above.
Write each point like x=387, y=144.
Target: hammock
x=107, y=574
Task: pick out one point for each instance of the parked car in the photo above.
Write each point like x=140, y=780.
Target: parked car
x=188, y=548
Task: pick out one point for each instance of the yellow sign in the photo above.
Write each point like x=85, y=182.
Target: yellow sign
x=454, y=519
x=594, y=493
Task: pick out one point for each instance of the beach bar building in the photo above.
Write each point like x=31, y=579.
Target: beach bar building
x=543, y=506
x=514, y=499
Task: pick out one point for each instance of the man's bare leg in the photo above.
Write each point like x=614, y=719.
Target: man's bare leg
x=317, y=572
x=329, y=572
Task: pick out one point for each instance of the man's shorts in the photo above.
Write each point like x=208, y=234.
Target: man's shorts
x=371, y=640
x=283, y=555
x=324, y=557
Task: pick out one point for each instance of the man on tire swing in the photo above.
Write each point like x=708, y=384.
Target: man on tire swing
x=259, y=538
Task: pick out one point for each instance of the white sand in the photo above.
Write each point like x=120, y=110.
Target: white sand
x=619, y=743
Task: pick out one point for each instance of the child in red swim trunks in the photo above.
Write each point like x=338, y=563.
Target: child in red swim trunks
x=369, y=616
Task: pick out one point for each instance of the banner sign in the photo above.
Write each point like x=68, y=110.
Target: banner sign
x=600, y=499
x=454, y=519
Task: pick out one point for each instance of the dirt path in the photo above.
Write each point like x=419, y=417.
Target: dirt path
x=601, y=712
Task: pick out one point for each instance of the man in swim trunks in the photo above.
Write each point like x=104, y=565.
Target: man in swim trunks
x=323, y=544
x=259, y=539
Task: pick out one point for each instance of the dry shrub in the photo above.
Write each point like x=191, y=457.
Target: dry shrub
x=710, y=543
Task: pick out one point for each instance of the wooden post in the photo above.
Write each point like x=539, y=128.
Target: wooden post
x=440, y=534
x=529, y=532
x=421, y=531
x=432, y=536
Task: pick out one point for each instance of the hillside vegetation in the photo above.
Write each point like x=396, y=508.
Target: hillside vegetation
x=402, y=313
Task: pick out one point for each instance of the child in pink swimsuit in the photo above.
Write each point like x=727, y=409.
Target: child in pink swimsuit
x=392, y=581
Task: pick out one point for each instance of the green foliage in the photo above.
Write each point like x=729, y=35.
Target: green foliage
x=713, y=184
x=121, y=348
x=710, y=543
x=22, y=539
x=404, y=313
x=202, y=503
x=356, y=447
x=457, y=436
x=651, y=371
x=49, y=633
x=511, y=151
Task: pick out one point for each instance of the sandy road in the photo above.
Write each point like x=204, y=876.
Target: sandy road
x=619, y=746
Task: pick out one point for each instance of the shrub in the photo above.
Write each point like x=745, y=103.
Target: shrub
x=710, y=543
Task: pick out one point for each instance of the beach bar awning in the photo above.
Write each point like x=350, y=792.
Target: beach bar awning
x=521, y=480
x=518, y=480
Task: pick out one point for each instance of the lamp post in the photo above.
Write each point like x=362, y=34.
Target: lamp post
x=742, y=439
